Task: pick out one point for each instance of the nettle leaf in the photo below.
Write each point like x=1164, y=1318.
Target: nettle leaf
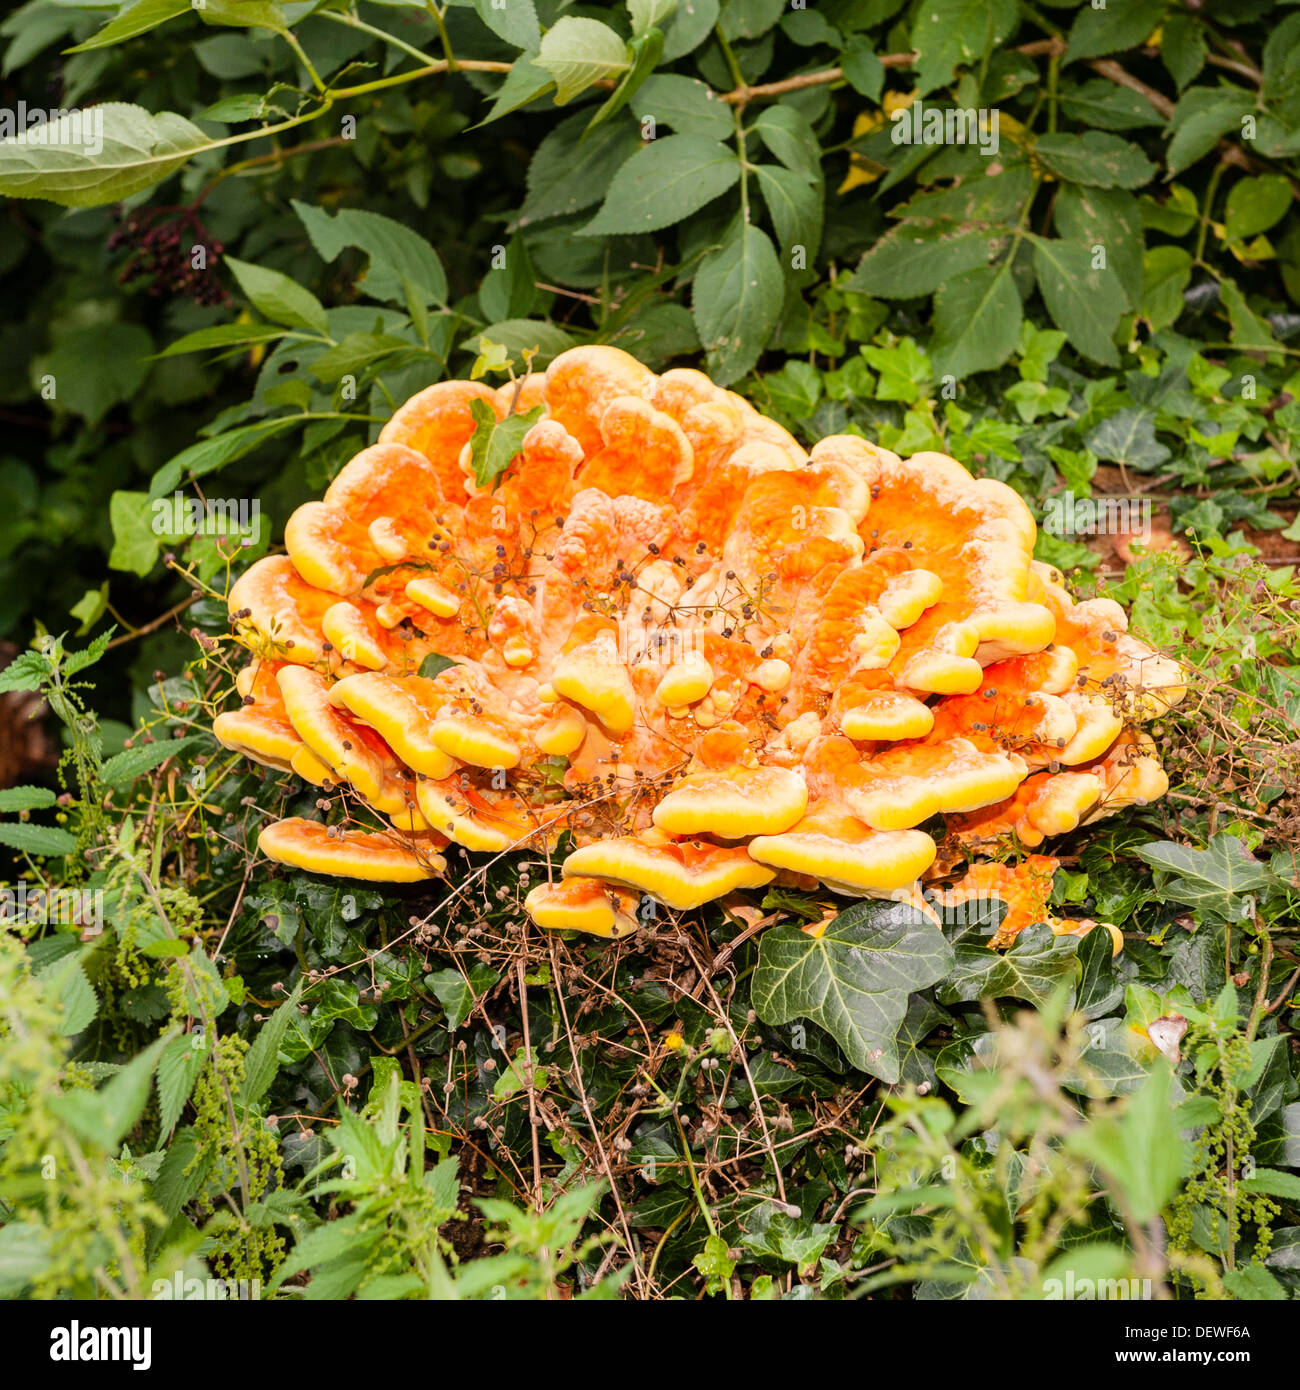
x=736, y=300
x=103, y=1118
x=977, y=319
x=123, y=768
x=398, y=256
x=1095, y=158
x=1036, y=963
x=1220, y=879
x=178, y=1069
x=664, y=182
x=578, y=52
x=25, y=799
x=495, y=444
x=281, y=299
x=65, y=983
x=72, y=165
x=853, y=979
x=138, y=19
x=37, y=839
x=1096, y=32
x=1085, y=302
x=948, y=34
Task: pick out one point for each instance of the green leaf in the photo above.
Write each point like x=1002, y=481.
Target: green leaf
x=1096, y=32
x=1096, y=159
x=263, y=1060
x=1101, y=103
x=95, y=369
x=138, y=150
x=1218, y=880
x=281, y=299
x=66, y=985
x=863, y=71
x=714, y=1262
x=1036, y=963
x=687, y=27
x=1128, y=437
x=788, y=134
x=1255, y=204
x=138, y=19
x=123, y=768
x=207, y=456
x=515, y=22
x=977, y=317
x=1183, y=48
x=37, y=839
x=854, y=979
x=104, y=1117
x=513, y=1078
x=1254, y=1284
x=948, y=34
x=578, y=52
x=398, y=256
x=495, y=444
x=457, y=994
x=685, y=104
x=27, y=671
x=736, y=301
x=434, y=665
x=1248, y=330
x=524, y=83
x=223, y=335
x=664, y=182
x=915, y=259
x=1141, y=1151
x=1084, y=302
x=135, y=543
x=25, y=799
x=795, y=206
x=178, y=1069
x=1166, y=273
x=1273, y=1183
x=1202, y=116
x=565, y=176
x=1110, y=218
x=647, y=14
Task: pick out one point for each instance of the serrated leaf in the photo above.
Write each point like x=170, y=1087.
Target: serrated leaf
x=206, y=457
x=1110, y=218
x=664, y=182
x=65, y=983
x=795, y=206
x=25, y=799
x=1095, y=158
x=515, y=22
x=977, y=317
x=123, y=768
x=223, y=335
x=1202, y=116
x=577, y=52
x=788, y=134
x=863, y=70
x=948, y=34
x=1096, y=32
x=103, y=1118
x=736, y=301
x=1103, y=104
x=685, y=104
x=263, y=1059
x=853, y=979
x=279, y=298
x=178, y=1069
x=1085, y=303
x=495, y=444
x=137, y=151
x=36, y=839
x=914, y=259
x=565, y=176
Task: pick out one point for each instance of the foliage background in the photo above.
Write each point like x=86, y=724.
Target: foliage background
x=311, y=1082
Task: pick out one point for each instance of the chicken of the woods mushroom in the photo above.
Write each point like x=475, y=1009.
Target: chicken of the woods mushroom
x=716, y=659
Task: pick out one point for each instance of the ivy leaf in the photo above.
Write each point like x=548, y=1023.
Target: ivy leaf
x=737, y=300
x=853, y=979
x=664, y=182
x=1248, y=329
x=495, y=444
x=281, y=299
x=1085, y=303
x=977, y=319
x=457, y=994
x=1037, y=962
x=138, y=150
x=578, y=52
x=1215, y=880
x=1128, y=437
x=1095, y=158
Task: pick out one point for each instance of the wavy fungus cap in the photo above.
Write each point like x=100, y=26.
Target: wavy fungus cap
x=715, y=659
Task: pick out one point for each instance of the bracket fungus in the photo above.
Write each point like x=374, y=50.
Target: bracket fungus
x=714, y=659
